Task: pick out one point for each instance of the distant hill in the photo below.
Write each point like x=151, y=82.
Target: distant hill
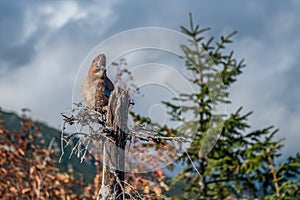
x=87, y=169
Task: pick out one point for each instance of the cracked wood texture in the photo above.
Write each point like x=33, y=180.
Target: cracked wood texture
x=113, y=148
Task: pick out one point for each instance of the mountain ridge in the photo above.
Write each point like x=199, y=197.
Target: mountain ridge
x=12, y=122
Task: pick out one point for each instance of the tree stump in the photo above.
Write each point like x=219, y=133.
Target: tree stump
x=112, y=186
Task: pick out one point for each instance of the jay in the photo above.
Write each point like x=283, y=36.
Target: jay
x=97, y=86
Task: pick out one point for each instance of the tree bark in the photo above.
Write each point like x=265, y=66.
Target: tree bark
x=112, y=186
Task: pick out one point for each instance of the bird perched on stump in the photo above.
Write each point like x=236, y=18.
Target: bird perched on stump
x=97, y=86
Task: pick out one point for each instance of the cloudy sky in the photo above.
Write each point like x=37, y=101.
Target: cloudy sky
x=43, y=44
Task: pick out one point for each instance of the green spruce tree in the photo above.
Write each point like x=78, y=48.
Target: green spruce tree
x=242, y=163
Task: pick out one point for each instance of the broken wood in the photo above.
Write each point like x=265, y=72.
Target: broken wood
x=112, y=186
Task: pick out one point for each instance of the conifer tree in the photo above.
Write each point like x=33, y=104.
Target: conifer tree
x=242, y=163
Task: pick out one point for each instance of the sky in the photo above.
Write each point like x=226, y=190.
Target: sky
x=44, y=43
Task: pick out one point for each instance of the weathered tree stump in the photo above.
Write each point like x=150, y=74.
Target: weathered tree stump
x=112, y=186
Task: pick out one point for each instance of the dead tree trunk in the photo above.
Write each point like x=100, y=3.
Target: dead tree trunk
x=112, y=187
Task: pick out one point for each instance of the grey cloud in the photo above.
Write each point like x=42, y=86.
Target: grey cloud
x=44, y=82
x=11, y=53
x=53, y=45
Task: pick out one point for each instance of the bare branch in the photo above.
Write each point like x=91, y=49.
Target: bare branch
x=148, y=135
